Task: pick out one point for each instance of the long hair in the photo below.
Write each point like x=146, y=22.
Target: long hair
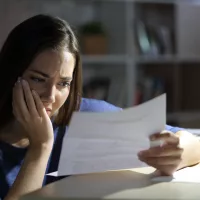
x=21, y=47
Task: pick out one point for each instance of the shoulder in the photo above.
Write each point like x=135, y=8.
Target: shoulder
x=93, y=105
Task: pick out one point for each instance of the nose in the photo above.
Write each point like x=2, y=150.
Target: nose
x=48, y=96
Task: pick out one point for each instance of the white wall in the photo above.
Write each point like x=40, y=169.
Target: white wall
x=188, y=30
x=76, y=12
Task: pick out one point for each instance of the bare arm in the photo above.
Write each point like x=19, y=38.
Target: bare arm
x=32, y=172
x=179, y=150
x=29, y=111
x=191, y=146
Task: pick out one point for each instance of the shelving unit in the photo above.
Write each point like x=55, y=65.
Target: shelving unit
x=180, y=68
x=124, y=64
x=107, y=59
x=130, y=60
x=185, y=52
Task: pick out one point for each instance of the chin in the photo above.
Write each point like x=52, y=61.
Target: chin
x=52, y=115
x=49, y=114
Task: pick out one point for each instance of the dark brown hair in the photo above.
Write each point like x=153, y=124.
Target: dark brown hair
x=22, y=45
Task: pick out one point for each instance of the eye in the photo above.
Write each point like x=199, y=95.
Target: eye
x=35, y=79
x=64, y=84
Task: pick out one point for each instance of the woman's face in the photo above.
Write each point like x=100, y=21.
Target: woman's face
x=50, y=75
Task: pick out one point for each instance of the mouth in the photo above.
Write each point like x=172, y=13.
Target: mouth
x=48, y=110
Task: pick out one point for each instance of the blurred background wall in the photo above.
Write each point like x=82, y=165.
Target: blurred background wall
x=132, y=50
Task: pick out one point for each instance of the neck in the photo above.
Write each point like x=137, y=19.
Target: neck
x=15, y=135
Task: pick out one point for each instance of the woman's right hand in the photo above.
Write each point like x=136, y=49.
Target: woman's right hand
x=29, y=111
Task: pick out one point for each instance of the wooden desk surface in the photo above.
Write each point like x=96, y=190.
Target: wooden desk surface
x=129, y=184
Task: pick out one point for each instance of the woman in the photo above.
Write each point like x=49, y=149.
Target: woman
x=40, y=88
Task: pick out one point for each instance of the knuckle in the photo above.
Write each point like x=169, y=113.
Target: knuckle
x=25, y=119
x=28, y=97
x=18, y=118
x=156, y=151
x=15, y=113
x=168, y=134
x=152, y=160
x=180, y=149
x=39, y=106
x=36, y=119
x=179, y=160
x=159, y=153
x=178, y=141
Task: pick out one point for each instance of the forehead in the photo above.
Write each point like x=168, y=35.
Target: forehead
x=54, y=63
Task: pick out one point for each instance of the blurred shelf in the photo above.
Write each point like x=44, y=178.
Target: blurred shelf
x=167, y=59
x=188, y=58
x=123, y=59
x=194, y=131
x=195, y=2
x=107, y=59
x=183, y=116
x=156, y=59
x=156, y=1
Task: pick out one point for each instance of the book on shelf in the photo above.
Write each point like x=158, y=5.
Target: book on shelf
x=149, y=88
x=153, y=40
x=97, y=88
x=109, y=89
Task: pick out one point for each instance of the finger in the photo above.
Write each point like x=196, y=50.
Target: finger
x=19, y=101
x=168, y=160
x=16, y=113
x=168, y=150
x=29, y=99
x=39, y=105
x=165, y=170
x=166, y=137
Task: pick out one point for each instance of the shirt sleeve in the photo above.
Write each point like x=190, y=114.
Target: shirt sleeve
x=173, y=129
x=93, y=105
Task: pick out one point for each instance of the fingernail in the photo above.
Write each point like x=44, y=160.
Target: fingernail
x=152, y=137
x=140, y=153
x=35, y=93
x=19, y=79
x=24, y=82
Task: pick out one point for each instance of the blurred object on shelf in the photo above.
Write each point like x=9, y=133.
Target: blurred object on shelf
x=142, y=38
x=139, y=95
x=165, y=37
x=189, y=119
x=153, y=40
x=117, y=91
x=148, y=88
x=97, y=88
x=153, y=87
x=154, y=28
x=93, y=38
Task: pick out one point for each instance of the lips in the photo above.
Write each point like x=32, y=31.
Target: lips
x=48, y=109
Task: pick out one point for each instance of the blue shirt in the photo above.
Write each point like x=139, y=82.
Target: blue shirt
x=11, y=157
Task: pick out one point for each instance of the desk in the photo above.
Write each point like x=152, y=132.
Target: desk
x=128, y=184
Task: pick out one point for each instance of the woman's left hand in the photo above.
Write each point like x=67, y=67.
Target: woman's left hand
x=165, y=158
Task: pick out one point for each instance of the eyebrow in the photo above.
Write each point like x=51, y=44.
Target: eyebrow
x=47, y=76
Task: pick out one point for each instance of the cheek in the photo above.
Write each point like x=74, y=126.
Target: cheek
x=33, y=85
x=61, y=98
x=65, y=95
